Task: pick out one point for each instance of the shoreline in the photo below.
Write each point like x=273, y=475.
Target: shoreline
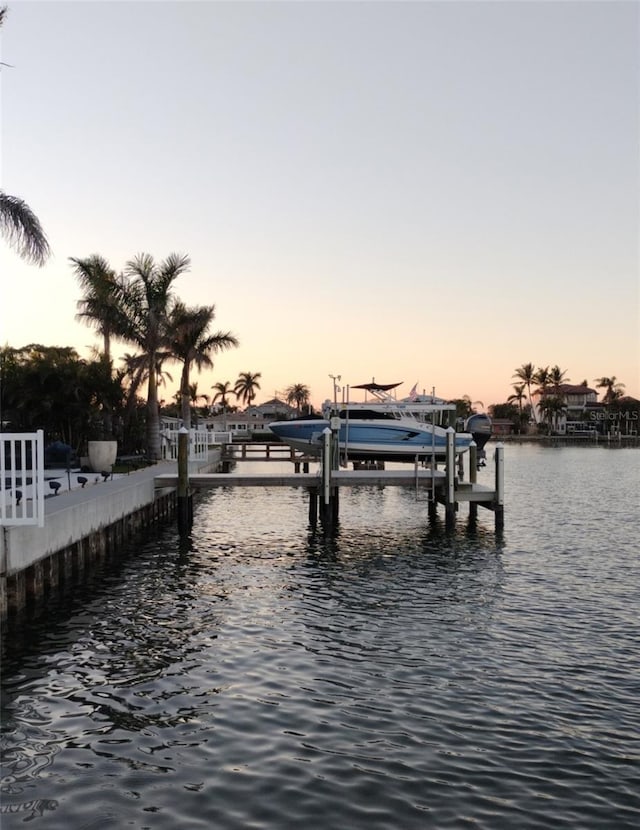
x=632, y=441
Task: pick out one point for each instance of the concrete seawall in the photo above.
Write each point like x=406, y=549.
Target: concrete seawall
x=82, y=527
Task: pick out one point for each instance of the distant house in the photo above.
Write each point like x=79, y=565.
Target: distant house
x=275, y=408
x=239, y=424
x=578, y=400
x=253, y=422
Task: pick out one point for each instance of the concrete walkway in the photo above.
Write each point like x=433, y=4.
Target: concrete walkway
x=77, y=513
x=96, y=487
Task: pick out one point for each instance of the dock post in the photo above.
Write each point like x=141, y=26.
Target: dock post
x=185, y=517
x=326, y=466
x=326, y=507
x=499, y=502
x=473, y=478
x=450, y=480
x=473, y=462
x=313, y=506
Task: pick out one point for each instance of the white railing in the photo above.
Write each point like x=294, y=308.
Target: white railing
x=198, y=444
x=22, y=478
x=220, y=437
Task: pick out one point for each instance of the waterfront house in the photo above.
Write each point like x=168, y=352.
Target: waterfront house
x=578, y=400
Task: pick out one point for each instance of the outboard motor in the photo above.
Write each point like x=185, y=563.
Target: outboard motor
x=480, y=426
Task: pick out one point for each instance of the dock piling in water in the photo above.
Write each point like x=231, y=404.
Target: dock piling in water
x=184, y=501
x=450, y=481
x=499, y=487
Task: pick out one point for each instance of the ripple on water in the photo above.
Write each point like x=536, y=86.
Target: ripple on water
x=389, y=676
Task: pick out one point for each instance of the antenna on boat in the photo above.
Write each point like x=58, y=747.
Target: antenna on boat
x=336, y=388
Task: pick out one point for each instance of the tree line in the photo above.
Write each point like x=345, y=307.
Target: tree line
x=76, y=400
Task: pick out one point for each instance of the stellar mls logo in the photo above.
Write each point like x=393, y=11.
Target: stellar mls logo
x=608, y=415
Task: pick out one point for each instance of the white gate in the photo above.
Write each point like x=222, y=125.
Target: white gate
x=198, y=444
x=22, y=478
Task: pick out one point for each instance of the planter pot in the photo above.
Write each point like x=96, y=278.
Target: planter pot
x=102, y=455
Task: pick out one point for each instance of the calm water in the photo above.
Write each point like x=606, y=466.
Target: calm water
x=394, y=676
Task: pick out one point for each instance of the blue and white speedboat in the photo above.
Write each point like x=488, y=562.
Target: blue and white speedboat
x=382, y=428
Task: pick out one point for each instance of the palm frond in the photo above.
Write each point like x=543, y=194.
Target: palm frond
x=22, y=229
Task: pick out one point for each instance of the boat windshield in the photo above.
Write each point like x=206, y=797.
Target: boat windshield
x=368, y=414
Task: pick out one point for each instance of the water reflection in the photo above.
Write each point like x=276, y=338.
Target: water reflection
x=26, y=754
x=390, y=673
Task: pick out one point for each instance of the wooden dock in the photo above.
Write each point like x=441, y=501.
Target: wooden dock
x=264, y=451
x=442, y=487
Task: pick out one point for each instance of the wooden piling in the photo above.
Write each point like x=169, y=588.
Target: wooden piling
x=184, y=502
x=313, y=507
x=450, y=480
x=326, y=466
x=499, y=487
x=473, y=462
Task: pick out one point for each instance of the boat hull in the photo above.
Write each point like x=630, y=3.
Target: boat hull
x=370, y=441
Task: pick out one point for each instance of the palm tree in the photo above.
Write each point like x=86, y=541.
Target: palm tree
x=526, y=373
x=246, y=385
x=298, y=395
x=192, y=343
x=614, y=389
x=552, y=406
x=98, y=307
x=557, y=377
x=19, y=224
x=195, y=396
x=223, y=390
x=144, y=302
x=518, y=395
x=133, y=374
x=542, y=379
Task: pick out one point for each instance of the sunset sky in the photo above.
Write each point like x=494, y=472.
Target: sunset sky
x=430, y=192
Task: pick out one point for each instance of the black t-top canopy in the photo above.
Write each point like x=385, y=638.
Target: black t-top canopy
x=377, y=387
